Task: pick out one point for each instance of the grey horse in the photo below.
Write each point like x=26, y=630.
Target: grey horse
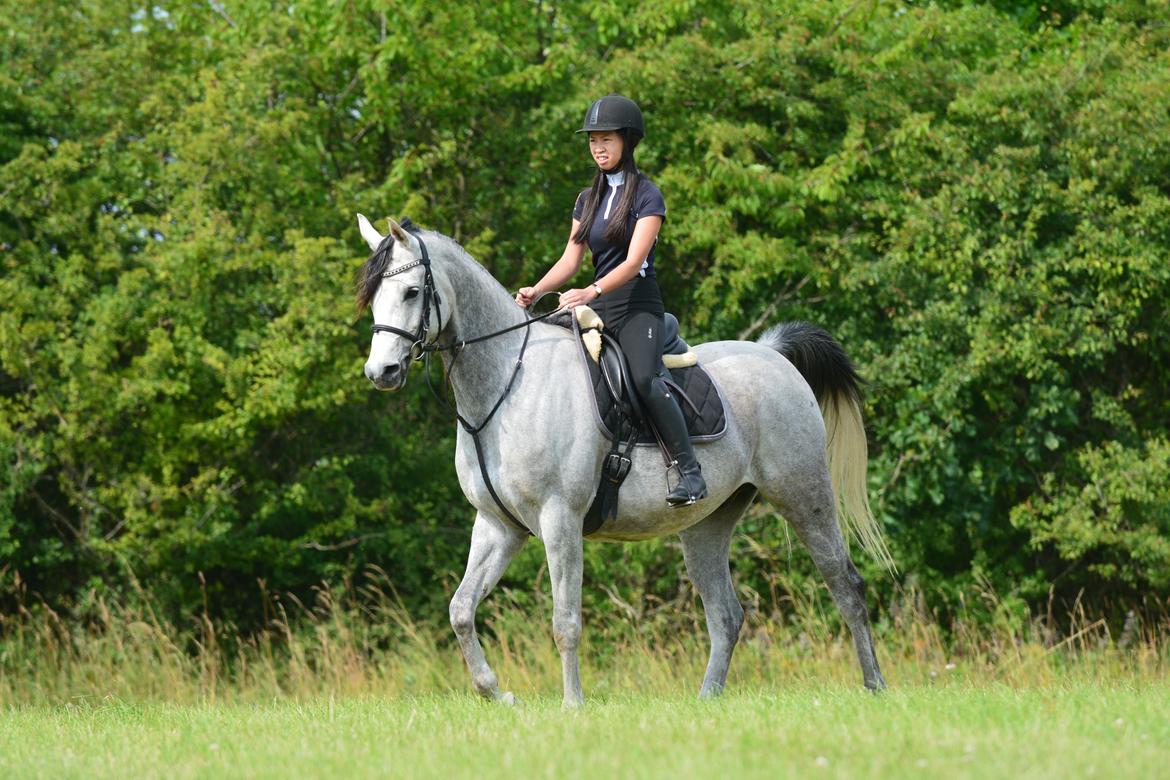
x=543, y=450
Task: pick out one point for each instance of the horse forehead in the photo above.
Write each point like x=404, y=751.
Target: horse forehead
x=382, y=299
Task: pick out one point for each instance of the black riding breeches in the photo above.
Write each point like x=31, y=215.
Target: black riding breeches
x=641, y=337
x=641, y=340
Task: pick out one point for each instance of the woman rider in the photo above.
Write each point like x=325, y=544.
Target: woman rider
x=618, y=217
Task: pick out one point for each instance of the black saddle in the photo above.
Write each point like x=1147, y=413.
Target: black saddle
x=620, y=416
x=616, y=405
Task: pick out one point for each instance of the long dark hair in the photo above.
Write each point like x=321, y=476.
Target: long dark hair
x=618, y=229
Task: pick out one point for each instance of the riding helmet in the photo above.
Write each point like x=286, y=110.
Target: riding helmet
x=613, y=112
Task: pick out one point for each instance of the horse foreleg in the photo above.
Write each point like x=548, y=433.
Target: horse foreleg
x=493, y=545
x=564, y=548
x=705, y=550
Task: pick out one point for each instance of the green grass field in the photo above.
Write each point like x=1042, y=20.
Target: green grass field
x=1076, y=727
x=351, y=689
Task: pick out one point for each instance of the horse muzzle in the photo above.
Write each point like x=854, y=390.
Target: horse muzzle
x=389, y=376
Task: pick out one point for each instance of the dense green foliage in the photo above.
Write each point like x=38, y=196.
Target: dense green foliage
x=974, y=198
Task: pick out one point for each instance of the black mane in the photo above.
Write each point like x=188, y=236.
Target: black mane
x=370, y=274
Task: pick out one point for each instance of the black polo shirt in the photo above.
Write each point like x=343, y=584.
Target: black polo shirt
x=608, y=256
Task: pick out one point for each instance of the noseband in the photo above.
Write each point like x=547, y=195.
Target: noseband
x=418, y=345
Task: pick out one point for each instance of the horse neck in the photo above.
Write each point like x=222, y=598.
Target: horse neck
x=480, y=372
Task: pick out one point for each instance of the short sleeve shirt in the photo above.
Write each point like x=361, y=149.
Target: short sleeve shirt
x=608, y=256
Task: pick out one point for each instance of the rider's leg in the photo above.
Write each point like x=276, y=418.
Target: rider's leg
x=641, y=340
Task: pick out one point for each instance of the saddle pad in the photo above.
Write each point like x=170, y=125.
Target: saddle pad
x=707, y=421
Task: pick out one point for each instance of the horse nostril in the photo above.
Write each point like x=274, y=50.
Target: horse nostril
x=376, y=373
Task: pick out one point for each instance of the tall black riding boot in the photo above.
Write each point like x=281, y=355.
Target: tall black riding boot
x=668, y=417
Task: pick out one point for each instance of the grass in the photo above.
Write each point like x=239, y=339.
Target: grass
x=1079, y=727
x=352, y=686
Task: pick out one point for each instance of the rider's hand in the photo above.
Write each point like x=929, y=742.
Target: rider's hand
x=526, y=296
x=577, y=297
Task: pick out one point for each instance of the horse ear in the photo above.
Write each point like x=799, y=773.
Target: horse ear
x=372, y=237
x=404, y=237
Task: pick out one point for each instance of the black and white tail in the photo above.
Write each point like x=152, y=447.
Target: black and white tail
x=822, y=361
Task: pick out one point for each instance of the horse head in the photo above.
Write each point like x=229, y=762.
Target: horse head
x=407, y=298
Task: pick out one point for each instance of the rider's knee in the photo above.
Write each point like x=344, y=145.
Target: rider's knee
x=652, y=385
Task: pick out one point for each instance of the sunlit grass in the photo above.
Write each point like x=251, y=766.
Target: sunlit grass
x=354, y=686
x=1076, y=727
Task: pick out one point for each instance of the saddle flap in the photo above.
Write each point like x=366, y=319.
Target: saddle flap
x=617, y=370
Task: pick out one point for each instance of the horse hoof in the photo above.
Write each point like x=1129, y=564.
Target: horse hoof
x=508, y=699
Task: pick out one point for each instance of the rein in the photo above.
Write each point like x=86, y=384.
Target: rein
x=421, y=349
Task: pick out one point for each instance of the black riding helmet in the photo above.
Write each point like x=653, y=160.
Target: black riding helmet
x=614, y=112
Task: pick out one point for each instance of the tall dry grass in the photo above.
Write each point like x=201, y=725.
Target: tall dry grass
x=359, y=640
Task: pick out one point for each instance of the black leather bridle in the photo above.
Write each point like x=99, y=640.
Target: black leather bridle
x=421, y=349
x=418, y=345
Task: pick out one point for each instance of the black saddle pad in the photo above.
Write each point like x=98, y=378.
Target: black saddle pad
x=701, y=403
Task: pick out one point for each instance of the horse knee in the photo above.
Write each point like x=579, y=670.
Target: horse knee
x=462, y=614
x=567, y=631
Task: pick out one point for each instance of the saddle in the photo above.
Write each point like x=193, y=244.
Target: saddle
x=619, y=413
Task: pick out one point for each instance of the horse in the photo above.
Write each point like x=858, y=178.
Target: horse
x=529, y=453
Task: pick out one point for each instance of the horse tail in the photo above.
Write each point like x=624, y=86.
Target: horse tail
x=822, y=361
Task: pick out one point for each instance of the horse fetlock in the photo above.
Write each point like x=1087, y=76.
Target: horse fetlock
x=486, y=684
x=711, y=690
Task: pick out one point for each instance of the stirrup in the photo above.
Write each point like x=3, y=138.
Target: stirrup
x=683, y=477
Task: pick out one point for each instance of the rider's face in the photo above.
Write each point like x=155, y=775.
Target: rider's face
x=606, y=147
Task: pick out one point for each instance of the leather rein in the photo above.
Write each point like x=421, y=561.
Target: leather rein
x=422, y=349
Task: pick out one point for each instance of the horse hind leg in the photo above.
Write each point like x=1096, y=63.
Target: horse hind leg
x=814, y=518
x=705, y=550
x=493, y=546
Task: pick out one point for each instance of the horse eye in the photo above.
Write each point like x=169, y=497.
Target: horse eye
x=412, y=293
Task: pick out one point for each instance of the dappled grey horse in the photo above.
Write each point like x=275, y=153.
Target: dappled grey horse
x=542, y=450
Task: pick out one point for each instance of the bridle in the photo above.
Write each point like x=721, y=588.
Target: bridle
x=419, y=345
x=422, y=349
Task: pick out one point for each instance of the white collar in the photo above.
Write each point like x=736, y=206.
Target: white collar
x=616, y=179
